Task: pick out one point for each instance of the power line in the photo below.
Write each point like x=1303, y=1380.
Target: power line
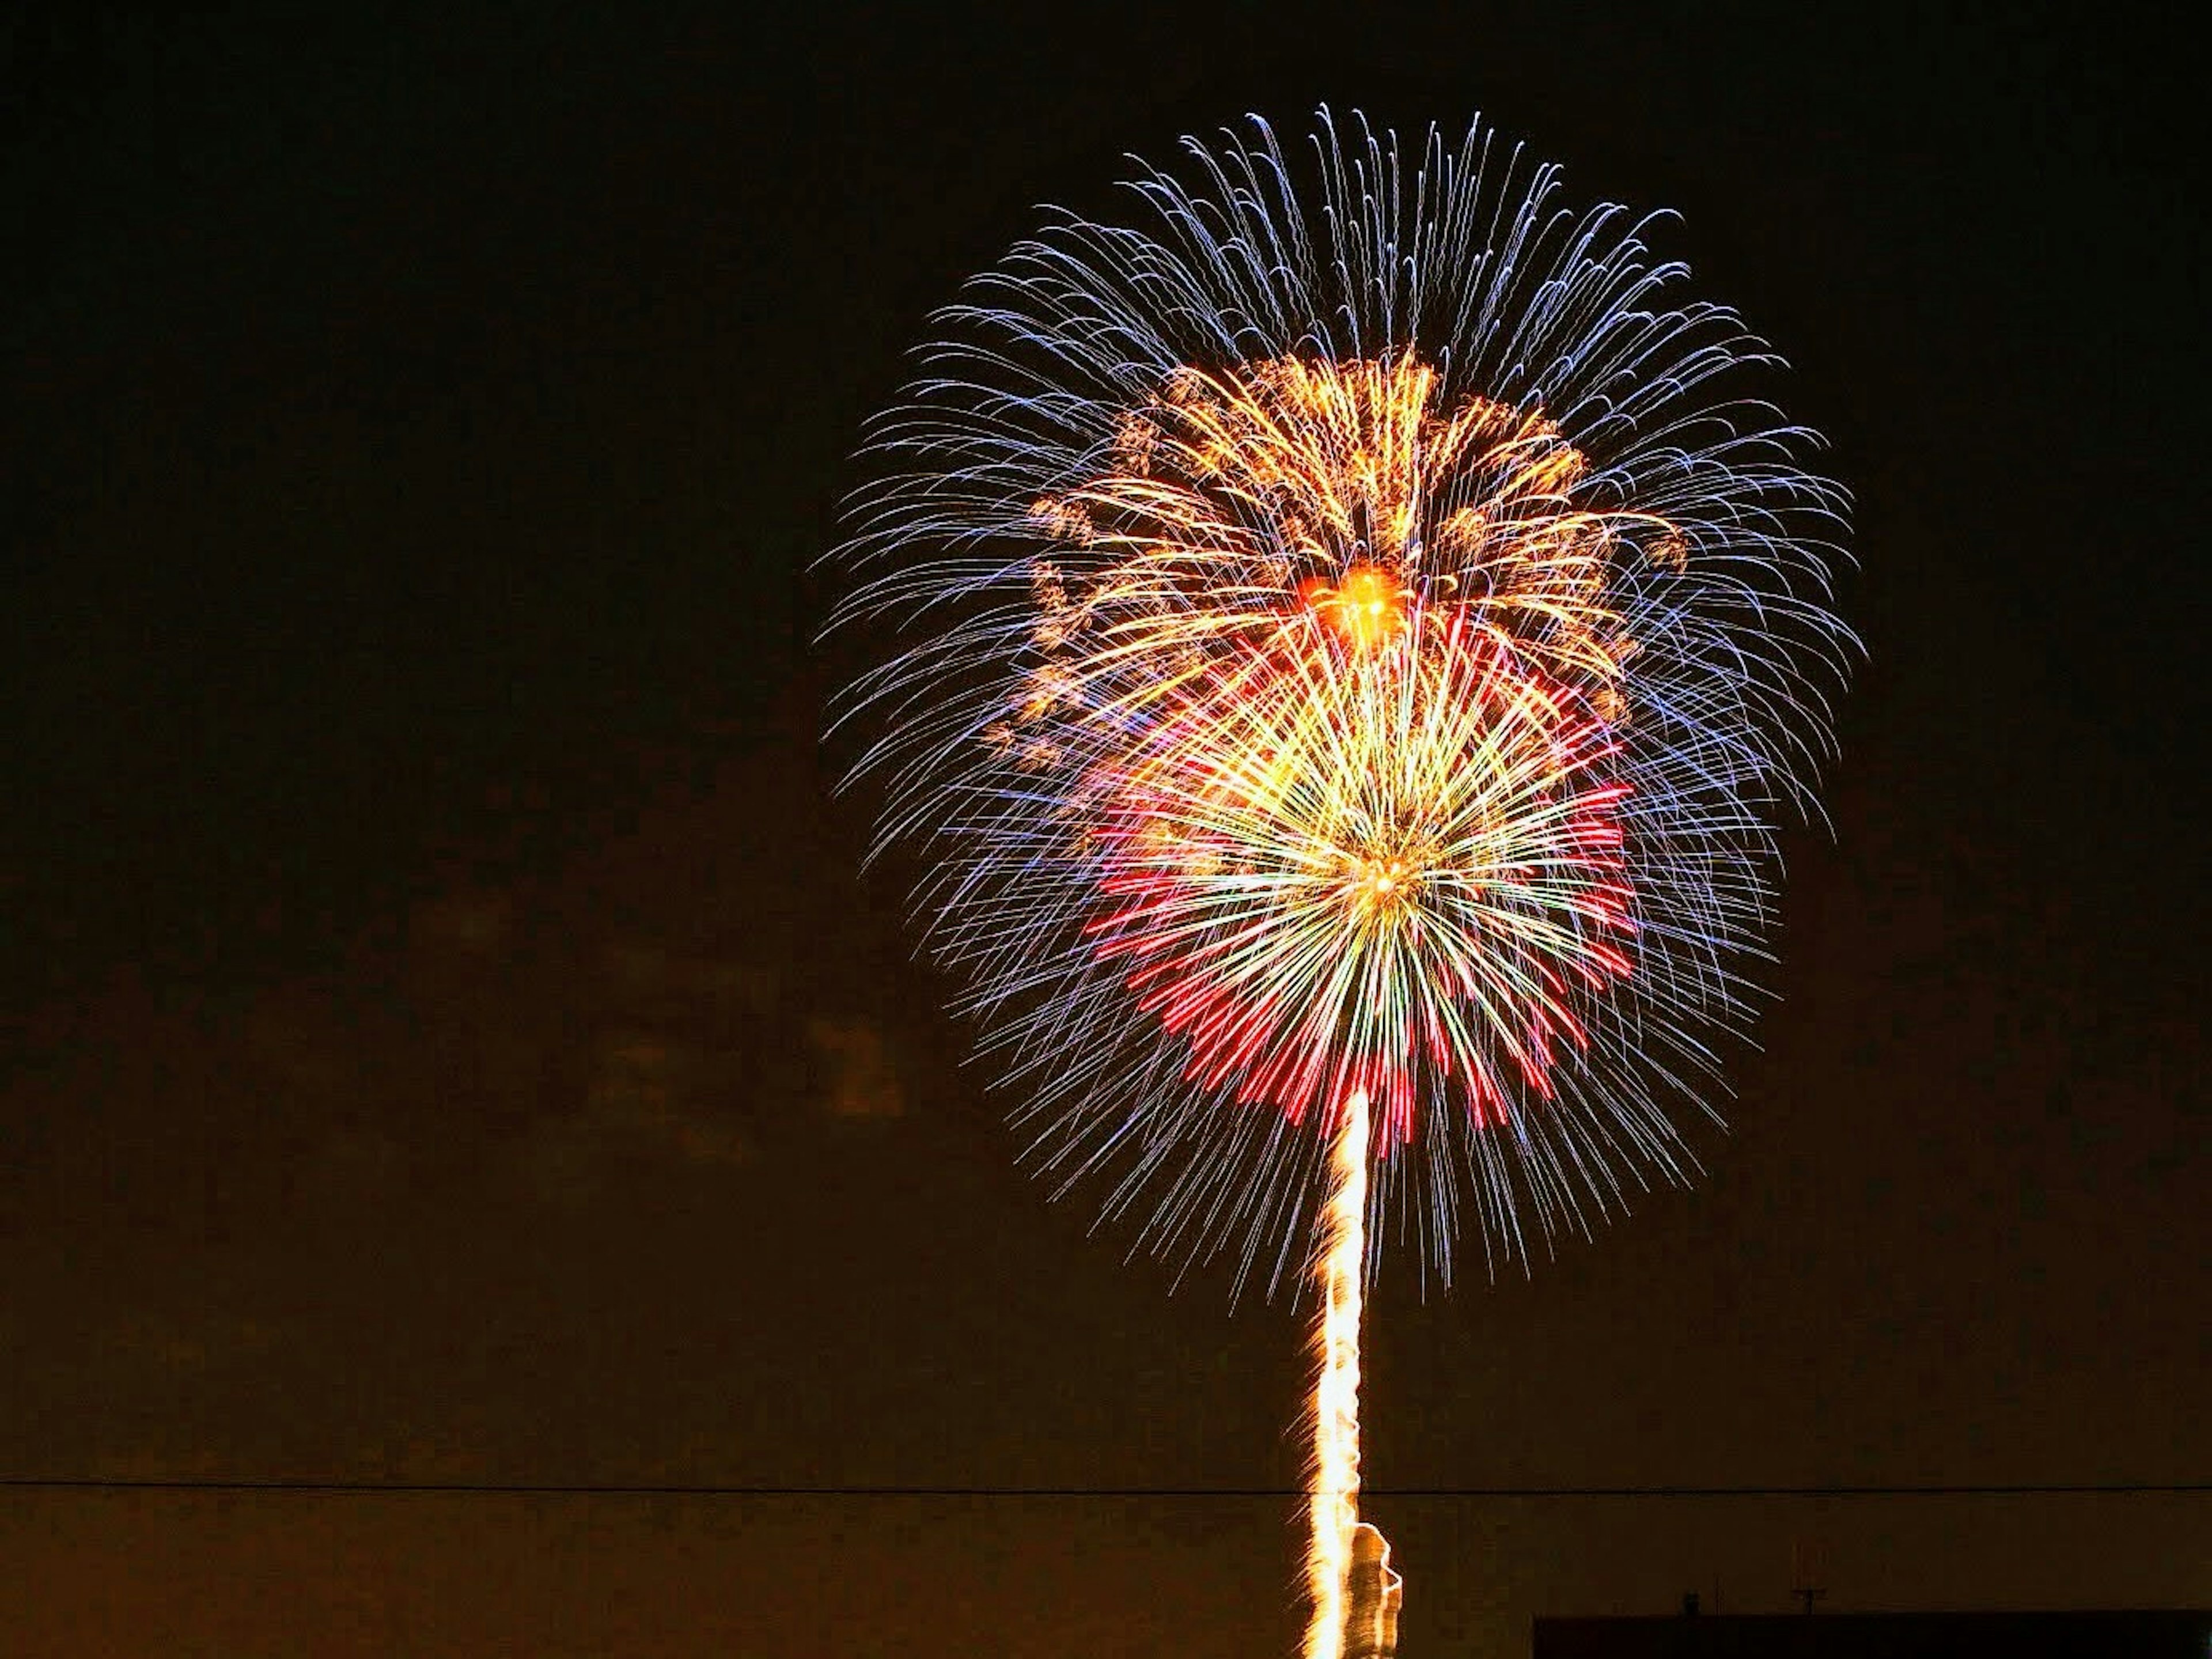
x=609, y=1489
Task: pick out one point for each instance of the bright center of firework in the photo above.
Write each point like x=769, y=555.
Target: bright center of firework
x=1383, y=879
x=1382, y=882
x=1367, y=607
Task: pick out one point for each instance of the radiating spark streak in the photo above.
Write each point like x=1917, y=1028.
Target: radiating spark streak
x=1333, y=1504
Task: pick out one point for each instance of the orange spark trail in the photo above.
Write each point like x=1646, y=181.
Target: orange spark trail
x=1334, y=1505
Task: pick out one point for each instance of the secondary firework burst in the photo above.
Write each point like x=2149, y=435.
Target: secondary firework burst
x=1384, y=863
x=1361, y=634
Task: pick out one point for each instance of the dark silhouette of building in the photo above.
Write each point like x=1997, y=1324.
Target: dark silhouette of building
x=2149, y=1634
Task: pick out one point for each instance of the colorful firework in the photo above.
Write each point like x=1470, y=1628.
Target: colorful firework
x=1362, y=641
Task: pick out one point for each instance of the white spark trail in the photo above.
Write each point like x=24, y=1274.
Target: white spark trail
x=1334, y=1501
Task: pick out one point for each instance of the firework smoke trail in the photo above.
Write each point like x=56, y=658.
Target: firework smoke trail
x=1333, y=1492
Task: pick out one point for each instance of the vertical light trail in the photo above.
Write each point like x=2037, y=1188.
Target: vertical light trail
x=1333, y=1493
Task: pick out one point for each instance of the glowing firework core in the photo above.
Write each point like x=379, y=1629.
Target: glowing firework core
x=1368, y=607
x=1396, y=870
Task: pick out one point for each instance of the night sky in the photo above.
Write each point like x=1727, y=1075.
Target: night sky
x=448, y=1040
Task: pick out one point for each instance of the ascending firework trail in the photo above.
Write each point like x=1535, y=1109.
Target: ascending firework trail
x=1361, y=636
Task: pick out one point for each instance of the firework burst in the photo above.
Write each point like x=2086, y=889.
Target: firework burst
x=1360, y=637
x=1362, y=643
x=1387, y=865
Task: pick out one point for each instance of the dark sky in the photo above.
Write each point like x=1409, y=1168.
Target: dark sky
x=449, y=1040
